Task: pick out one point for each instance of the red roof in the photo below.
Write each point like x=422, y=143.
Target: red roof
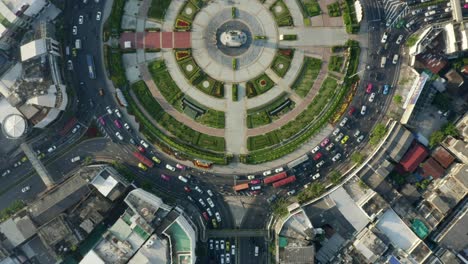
x=442, y=156
x=415, y=155
x=432, y=168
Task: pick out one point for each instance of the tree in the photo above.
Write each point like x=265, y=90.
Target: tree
x=450, y=129
x=314, y=190
x=87, y=160
x=335, y=176
x=398, y=99
x=436, y=138
x=442, y=101
x=377, y=134
x=280, y=208
x=357, y=157
x=412, y=40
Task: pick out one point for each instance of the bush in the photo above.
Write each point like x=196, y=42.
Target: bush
x=115, y=67
x=289, y=37
x=281, y=14
x=235, y=93
x=112, y=24
x=334, y=9
x=349, y=17
x=306, y=77
x=335, y=176
x=313, y=191
x=412, y=40
x=436, y=138
x=12, y=209
x=357, y=157
x=158, y=9
x=311, y=7
x=377, y=134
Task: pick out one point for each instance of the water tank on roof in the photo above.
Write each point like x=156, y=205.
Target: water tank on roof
x=14, y=126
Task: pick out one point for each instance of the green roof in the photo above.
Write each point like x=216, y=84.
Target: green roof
x=419, y=228
x=283, y=242
x=180, y=240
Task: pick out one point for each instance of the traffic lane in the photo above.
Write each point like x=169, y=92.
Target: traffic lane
x=247, y=250
x=14, y=193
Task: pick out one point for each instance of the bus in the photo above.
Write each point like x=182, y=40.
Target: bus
x=91, y=68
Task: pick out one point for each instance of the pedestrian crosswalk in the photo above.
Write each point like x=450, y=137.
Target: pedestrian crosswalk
x=394, y=10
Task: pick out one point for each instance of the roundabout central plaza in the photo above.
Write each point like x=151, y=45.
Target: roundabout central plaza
x=237, y=82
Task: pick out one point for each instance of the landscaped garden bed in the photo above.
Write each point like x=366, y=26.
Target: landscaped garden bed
x=158, y=9
x=259, y=85
x=281, y=13
x=310, y=8
x=306, y=78
x=349, y=17
x=266, y=114
x=282, y=61
x=163, y=80
x=186, y=15
x=112, y=24
x=336, y=63
x=334, y=10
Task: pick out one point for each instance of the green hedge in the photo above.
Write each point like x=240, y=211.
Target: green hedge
x=283, y=17
x=254, y=87
x=281, y=63
x=112, y=24
x=310, y=8
x=164, y=81
x=158, y=9
x=336, y=62
x=349, y=17
x=307, y=76
x=260, y=116
x=115, y=66
x=334, y=9
x=235, y=92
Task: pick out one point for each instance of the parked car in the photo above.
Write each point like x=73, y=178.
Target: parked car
x=266, y=173
x=325, y=142
x=336, y=157
x=363, y=110
x=118, y=135
x=320, y=164
x=317, y=148
x=25, y=189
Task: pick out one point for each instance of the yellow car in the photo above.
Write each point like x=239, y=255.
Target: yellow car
x=41, y=156
x=142, y=166
x=24, y=159
x=215, y=225
x=343, y=141
x=74, y=52
x=155, y=159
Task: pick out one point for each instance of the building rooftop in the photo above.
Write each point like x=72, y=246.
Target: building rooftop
x=32, y=49
x=455, y=234
x=442, y=156
x=58, y=235
x=155, y=250
x=415, y=155
x=430, y=168
x=297, y=255
x=369, y=245
x=432, y=61
x=396, y=230
x=398, y=142
x=18, y=229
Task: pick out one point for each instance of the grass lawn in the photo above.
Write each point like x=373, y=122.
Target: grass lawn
x=212, y=118
x=334, y=9
x=258, y=119
x=262, y=84
x=311, y=7
x=189, y=11
x=281, y=64
x=306, y=78
x=336, y=62
x=115, y=66
x=158, y=9
x=164, y=81
x=281, y=13
x=265, y=114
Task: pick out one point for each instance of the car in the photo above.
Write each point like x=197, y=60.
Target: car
x=315, y=176
x=415, y=12
x=218, y=217
x=216, y=244
x=75, y=159
x=221, y=257
x=360, y=138
x=266, y=173
x=339, y=137
x=155, y=159
x=17, y=164
x=117, y=113
x=101, y=92
x=187, y=189
x=395, y=58
x=98, y=16
x=182, y=179
x=215, y=225
x=345, y=139
x=255, y=193
x=448, y=9
x=430, y=13
x=318, y=156
x=384, y=38
x=324, y=142
x=399, y=39
x=351, y=111
x=432, y=7
x=233, y=249
x=386, y=89
x=190, y=198
x=109, y=110
x=142, y=142
x=166, y=178
x=205, y=215
x=70, y=65
x=51, y=149
x=41, y=156
x=336, y=131
x=256, y=181
x=228, y=257
x=320, y=164
x=118, y=135
x=169, y=167
x=198, y=189
x=132, y=141
x=371, y=97
x=210, y=202
x=251, y=177
x=209, y=192
x=102, y=121
x=25, y=189
x=221, y=245
x=208, y=210
x=256, y=187
x=202, y=202
x=357, y=133
x=278, y=170
x=256, y=251
x=127, y=126
x=117, y=124
x=317, y=148
x=5, y=173
x=363, y=110
x=80, y=20
x=211, y=244
x=291, y=192
x=343, y=122
x=180, y=166
x=142, y=166
x=75, y=129
x=74, y=52
x=369, y=88
x=75, y=30
x=336, y=157
x=330, y=146
x=427, y=19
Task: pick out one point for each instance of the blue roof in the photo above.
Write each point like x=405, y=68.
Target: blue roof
x=393, y=260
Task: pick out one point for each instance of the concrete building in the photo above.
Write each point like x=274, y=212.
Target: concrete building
x=369, y=245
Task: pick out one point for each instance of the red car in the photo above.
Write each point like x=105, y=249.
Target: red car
x=205, y=215
x=256, y=181
x=369, y=88
x=117, y=124
x=325, y=142
x=318, y=156
x=141, y=149
x=165, y=177
x=102, y=121
x=351, y=111
x=187, y=189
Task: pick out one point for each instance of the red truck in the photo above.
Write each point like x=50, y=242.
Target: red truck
x=143, y=159
x=241, y=187
x=274, y=178
x=284, y=181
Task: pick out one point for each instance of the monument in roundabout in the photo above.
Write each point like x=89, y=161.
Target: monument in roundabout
x=233, y=38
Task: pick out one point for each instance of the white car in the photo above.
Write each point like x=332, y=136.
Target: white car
x=75, y=30
x=70, y=65
x=117, y=113
x=75, y=159
x=399, y=39
x=336, y=131
x=51, y=149
x=256, y=188
x=216, y=245
x=336, y=157
x=142, y=142
x=233, y=249
x=278, y=170
x=317, y=148
x=127, y=126
x=109, y=110
x=202, y=202
x=222, y=244
x=228, y=258
x=5, y=173
x=339, y=137
x=209, y=192
x=371, y=97
x=320, y=164
x=17, y=164
x=360, y=138
x=25, y=189
x=330, y=146
x=384, y=38
x=343, y=122
x=169, y=167
x=98, y=15
x=210, y=202
x=218, y=217
x=291, y=192
x=316, y=176
x=208, y=210
x=80, y=20
x=357, y=133
x=363, y=110
x=75, y=129
x=395, y=58
x=198, y=189
x=266, y=173
x=211, y=244
x=118, y=135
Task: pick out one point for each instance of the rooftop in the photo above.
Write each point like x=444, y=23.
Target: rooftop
x=430, y=168
x=297, y=255
x=455, y=234
x=415, y=155
x=442, y=156
x=369, y=245
x=396, y=230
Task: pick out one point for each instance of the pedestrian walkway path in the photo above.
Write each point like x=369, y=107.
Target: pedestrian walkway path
x=155, y=40
x=235, y=121
x=171, y=14
x=314, y=36
x=268, y=3
x=296, y=12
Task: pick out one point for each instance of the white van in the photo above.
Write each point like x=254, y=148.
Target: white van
x=395, y=59
x=183, y=179
x=75, y=159
x=256, y=251
x=67, y=51
x=78, y=43
x=383, y=61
